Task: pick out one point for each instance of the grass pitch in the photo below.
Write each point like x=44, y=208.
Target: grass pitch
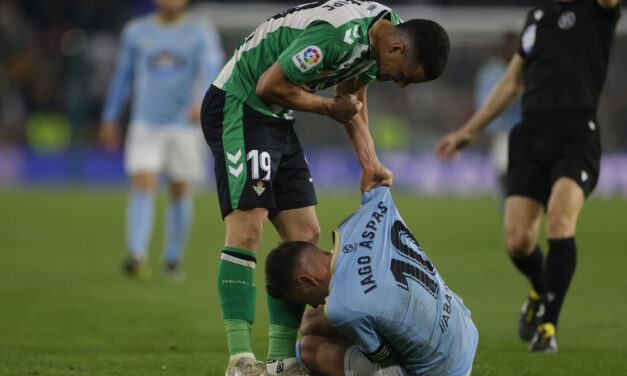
x=66, y=308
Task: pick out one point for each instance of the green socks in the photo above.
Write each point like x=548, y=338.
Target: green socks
x=285, y=320
x=238, y=295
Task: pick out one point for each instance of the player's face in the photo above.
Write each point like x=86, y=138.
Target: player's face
x=393, y=67
x=171, y=5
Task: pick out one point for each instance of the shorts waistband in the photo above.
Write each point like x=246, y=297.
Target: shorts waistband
x=558, y=116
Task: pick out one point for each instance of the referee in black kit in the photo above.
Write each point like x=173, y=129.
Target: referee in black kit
x=555, y=151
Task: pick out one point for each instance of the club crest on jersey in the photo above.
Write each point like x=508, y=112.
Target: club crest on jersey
x=259, y=188
x=307, y=58
x=566, y=20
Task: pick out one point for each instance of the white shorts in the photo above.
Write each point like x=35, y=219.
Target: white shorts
x=358, y=364
x=180, y=151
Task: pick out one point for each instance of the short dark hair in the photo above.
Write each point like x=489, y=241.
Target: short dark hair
x=280, y=267
x=430, y=45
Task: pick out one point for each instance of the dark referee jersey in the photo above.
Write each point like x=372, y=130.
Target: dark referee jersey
x=566, y=46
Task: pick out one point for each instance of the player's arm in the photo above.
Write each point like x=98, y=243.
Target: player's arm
x=504, y=93
x=274, y=87
x=211, y=61
x=608, y=4
x=373, y=172
x=119, y=89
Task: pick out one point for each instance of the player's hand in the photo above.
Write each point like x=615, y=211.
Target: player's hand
x=451, y=143
x=371, y=177
x=109, y=135
x=342, y=108
x=194, y=113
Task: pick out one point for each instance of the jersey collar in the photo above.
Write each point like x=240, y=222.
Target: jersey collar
x=377, y=18
x=337, y=241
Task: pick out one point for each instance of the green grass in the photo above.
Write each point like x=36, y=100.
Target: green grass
x=66, y=309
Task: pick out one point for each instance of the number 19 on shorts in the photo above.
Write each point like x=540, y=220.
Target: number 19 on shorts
x=259, y=160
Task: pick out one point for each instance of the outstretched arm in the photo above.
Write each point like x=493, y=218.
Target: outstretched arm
x=373, y=172
x=119, y=89
x=509, y=87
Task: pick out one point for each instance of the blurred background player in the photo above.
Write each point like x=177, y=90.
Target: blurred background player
x=261, y=170
x=487, y=77
x=169, y=60
x=554, y=155
x=391, y=311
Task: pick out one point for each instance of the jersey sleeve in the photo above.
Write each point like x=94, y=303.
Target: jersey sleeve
x=369, y=75
x=526, y=35
x=313, y=51
x=120, y=85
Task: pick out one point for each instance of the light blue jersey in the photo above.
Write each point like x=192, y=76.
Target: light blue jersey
x=169, y=67
x=388, y=297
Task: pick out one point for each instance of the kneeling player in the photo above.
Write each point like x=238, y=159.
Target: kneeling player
x=391, y=312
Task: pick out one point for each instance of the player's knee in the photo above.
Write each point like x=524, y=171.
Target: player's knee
x=559, y=226
x=248, y=237
x=520, y=240
x=308, y=350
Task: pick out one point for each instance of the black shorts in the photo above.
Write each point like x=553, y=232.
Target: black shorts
x=259, y=162
x=544, y=149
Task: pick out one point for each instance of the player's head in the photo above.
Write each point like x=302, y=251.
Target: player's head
x=171, y=6
x=298, y=272
x=417, y=51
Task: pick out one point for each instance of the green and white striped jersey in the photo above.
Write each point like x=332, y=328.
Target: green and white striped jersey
x=317, y=45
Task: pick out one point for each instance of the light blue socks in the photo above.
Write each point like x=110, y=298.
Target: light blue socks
x=140, y=213
x=177, y=226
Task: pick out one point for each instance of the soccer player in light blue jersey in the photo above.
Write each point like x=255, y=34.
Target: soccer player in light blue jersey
x=391, y=311
x=169, y=60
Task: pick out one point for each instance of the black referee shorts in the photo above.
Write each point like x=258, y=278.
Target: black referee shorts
x=543, y=149
x=259, y=162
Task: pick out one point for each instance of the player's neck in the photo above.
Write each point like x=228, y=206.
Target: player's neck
x=166, y=17
x=378, y=33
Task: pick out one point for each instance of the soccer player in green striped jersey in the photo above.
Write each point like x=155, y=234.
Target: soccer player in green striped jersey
x=260, y=167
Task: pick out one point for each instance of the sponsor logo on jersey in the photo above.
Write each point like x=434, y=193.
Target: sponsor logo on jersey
x=566, y=20
x=529, y=38
x=307, y=58
x=259, y=188
x=165, y=62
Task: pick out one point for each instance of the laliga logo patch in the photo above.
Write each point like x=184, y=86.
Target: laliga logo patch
x=307, y=58
x=259, y=188
x=311, y=56
x=566, y=20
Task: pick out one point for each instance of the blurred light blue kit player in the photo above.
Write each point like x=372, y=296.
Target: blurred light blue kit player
x=391, y=311
x=169, y=61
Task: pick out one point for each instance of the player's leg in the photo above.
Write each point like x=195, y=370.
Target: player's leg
x=246, y=149
x=143, y=161
x=522, y=223
x=294, y=219
x=285, y=317
x=567, y=199
x=178, y=221
x=528, y=190
x=185, y=165
x=236, y=289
